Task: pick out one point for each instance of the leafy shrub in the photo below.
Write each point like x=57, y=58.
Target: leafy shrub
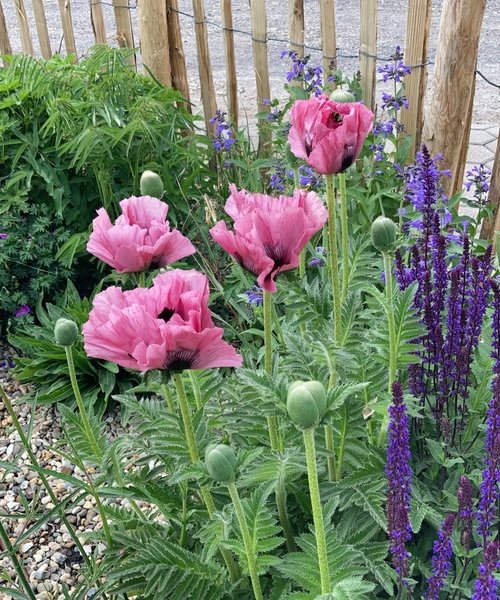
x=73, y=138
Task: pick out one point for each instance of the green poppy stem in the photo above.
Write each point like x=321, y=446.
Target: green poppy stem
x=168, y=399
x=89, y=432
x=272, y=420
x=333, y=258
x=34, y=461
x=391, y=328
x=247, y=541
x=302, y=255
x=319, y=527
x=19, y=568
x=344, y=236
x=141, y=279
x=194, y=455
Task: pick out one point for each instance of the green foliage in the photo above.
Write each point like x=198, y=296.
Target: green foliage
x=75, y=137
x=43, y=362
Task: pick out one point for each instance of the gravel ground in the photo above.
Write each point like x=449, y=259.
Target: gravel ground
x=51, y=560
x=391, y=31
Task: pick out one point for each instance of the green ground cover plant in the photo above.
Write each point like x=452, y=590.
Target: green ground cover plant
x=326, y=424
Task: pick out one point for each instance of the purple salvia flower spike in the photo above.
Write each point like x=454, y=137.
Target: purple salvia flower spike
x=486, y=586
x=399, y=480
x=465, y=514
x=441, y=559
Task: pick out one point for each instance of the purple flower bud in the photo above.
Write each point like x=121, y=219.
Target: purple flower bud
x=486, y=585
x=22, y=311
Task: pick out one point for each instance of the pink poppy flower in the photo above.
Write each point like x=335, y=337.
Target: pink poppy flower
x=140, y=237
x=269, y=233
x=328, y=135
x=167, y=326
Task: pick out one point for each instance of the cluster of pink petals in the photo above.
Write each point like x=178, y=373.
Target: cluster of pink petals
x=140, y=237
x=328, y=135
x=269, y=233
x=167, y=326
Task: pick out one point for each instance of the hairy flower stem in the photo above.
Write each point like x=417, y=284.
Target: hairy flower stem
x=333, y=258
x=319, y=527
x=302, y=255
x=391, y=329
x=169, y=400
x=247, y=540
x=23, y=578
x=141, y=279
x=194, y=455
x=34, y=461
x=344, y=236
x=89, y=432
x=272, y=420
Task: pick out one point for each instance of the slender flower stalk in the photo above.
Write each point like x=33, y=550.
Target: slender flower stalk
x=333, y=256
x=89, y=432
x=247, y=540
x=441, y=559
x=319, y=527
x=18, y=566
x=272, y=420
x=34, y=461
x=344, y=234
x=399, y=476
x=194, y=455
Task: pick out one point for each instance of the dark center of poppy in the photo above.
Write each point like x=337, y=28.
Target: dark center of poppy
x=277, y=254
x=166, y=314
x=334, y=120
x=181, y=359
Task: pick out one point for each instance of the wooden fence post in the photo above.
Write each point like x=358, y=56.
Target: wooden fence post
x=24, y=30
x=328, y=36
x=296, y=26
x=445, y=124
x=67, y=26
x=124, y=34
x=418, y=19
x=41, y=28
x=490, y=226
x=204, y=66
x=177, y=61
x=153, y=39
x=5, y=47
x=368, y=50
x=261, y=65
x=97, y=19
x=232, y=81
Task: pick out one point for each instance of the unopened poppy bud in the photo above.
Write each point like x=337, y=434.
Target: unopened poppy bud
x=65, y=332
x=342, y=96
x=306, y=403
x=384, y=233
x=221, y=462
x=151, y=184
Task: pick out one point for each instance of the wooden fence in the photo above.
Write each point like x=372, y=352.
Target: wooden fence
x=445, y=127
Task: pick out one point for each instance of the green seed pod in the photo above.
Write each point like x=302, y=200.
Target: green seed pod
x=384, y=233
x=151, y=184
x=65, y=332
x=306, y=403
x=221, y=462
x=342, y=96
